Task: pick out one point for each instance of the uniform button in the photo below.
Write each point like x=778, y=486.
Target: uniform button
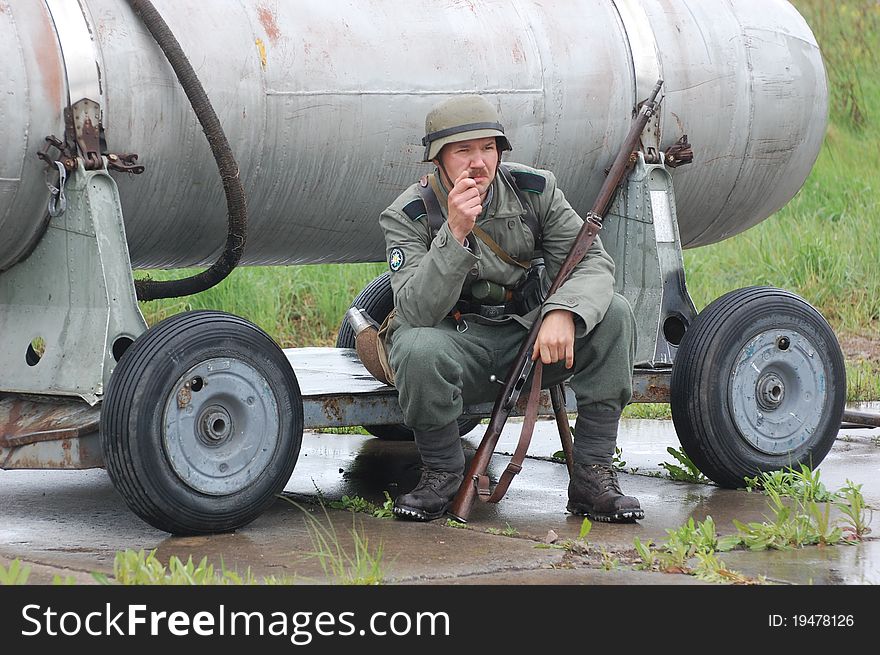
x=474, y=271
x=510, y=224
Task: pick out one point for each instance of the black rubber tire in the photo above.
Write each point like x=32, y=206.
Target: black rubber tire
x=133, y=435
x=708, y=391
x=377, y=299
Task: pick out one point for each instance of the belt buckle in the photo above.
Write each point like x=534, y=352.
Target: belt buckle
x=492, y=311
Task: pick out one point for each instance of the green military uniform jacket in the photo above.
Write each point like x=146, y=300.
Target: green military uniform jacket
x=428, y=276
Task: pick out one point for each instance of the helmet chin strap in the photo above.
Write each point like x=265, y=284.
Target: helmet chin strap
x=442, y=169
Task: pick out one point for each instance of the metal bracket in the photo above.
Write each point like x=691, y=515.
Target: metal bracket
x=641, y=235
x=69, y=310
x=88, y=132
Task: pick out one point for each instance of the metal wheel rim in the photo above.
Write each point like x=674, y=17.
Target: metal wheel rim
x=777, y=391
x=221, y=426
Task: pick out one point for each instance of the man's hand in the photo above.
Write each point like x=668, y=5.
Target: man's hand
x=464, y=206
x=555, y=339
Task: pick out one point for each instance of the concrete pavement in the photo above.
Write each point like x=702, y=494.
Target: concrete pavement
x=73, y=522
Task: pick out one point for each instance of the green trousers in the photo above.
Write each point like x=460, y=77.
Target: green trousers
x=440, y=369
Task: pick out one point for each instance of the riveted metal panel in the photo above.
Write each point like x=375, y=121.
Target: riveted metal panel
x=323, y=102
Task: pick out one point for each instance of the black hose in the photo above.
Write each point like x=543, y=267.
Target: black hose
x=146, y=288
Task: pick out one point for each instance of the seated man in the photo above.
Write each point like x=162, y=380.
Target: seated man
x=460, y=245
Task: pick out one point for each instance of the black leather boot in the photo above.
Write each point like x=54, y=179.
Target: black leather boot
x=595, y=492
x=431, y=497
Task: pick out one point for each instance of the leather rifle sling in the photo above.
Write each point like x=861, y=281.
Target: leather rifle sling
x=494, y=247
x=525, y=437
x=429, y=196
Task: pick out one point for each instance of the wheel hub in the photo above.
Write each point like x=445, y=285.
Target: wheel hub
x=770, y=391
x=221, y=425
x=777, y=390
x=215, y=425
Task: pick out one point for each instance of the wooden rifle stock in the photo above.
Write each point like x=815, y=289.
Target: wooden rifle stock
x=522, y=366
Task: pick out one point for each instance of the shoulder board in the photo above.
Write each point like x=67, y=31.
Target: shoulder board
x=529, y=181
x=415, y=209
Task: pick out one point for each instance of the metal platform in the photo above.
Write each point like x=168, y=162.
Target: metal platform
x=52, y=432
x=338, y=391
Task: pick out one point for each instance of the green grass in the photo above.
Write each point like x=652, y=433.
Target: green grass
x=802, y=512
x=648, y=410
x=824, y=245
x=862, y=381
x=296, y=305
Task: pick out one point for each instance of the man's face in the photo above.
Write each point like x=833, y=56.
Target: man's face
x=478, y=156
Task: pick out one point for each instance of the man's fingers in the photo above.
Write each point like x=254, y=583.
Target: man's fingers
x=550, y=353
x=467, y=203
x=464, y=182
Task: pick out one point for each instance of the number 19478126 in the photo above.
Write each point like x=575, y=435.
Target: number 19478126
x=811, y=620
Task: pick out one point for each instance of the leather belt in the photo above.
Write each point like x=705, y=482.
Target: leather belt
x=486, y=311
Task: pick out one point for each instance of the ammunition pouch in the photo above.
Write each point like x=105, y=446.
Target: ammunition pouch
x=491, y=300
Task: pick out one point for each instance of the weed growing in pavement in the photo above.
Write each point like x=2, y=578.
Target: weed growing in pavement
x=363, y=566
x=807, y=517
x=144, y=568
x=688, y=540
x=578, y=546
x=803, y=484
x=359, y=504
x=506, y=532
x=609, y=562
x=710, y=568
x=16, y=574
x=452, y=523
x=856, y=514
x=685, y=470
x=790, y=526
x=826, y=531
x=647, y=555
x=586, y=526
x=691, y=550
x=617, y=461
x=801, y=514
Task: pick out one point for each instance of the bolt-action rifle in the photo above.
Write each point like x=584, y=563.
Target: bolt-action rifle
x=475, y=479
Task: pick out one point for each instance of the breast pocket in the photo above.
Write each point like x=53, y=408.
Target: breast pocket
x=521, y=242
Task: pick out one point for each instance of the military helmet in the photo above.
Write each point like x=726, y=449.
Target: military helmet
x=459, y=119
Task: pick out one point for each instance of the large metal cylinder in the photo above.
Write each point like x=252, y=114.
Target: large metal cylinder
x=323, y=102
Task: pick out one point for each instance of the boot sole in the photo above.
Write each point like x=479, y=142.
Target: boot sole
x=410, y=514
x=623, y=516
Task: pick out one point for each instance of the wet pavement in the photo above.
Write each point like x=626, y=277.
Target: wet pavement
x=73, y=522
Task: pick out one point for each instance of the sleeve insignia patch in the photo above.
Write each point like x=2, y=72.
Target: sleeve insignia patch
x=396, y=259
